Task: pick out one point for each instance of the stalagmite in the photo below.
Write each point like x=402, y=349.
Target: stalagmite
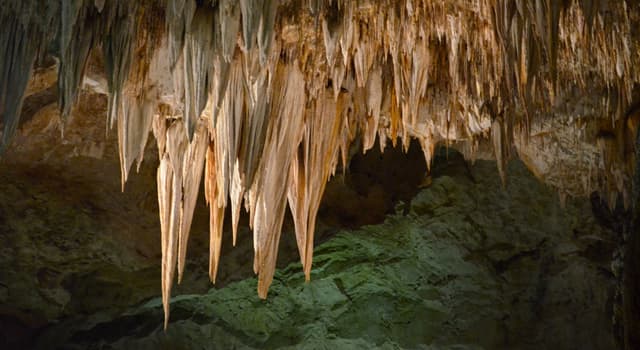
x=268, y=96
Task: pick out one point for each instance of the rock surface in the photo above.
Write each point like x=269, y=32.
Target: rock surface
x=467, y=264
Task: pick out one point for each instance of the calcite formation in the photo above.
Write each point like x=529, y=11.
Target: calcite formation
x=264, y=98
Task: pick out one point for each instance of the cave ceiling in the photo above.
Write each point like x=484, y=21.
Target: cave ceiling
x=261, y=101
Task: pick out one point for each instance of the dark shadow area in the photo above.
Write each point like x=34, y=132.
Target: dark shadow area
x=373, y=185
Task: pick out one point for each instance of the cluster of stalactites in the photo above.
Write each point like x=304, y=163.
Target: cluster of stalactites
x=265, y=97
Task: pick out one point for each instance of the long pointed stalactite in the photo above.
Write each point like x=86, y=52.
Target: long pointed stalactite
x=266, y=97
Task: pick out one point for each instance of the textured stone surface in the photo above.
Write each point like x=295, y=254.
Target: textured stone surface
x=467, y=264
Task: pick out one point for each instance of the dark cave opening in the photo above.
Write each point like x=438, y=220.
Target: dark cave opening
x=373, y=184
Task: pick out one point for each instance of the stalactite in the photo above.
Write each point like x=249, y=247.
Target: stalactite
x=193, y=164
x=18, y=55
x=284, y=133
x=216, y=213
x=134, y=125
x=310, y=169
x=170, y=192
x=374, y=104
x=118, y=56
x=179, y=14
x=199, y=49
x=498, y=148
x=25, y=34
x=251, y=16
x=134, y=85
x=269, y=95
x=266, y=28
x=253, y=140
x=77, y=36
